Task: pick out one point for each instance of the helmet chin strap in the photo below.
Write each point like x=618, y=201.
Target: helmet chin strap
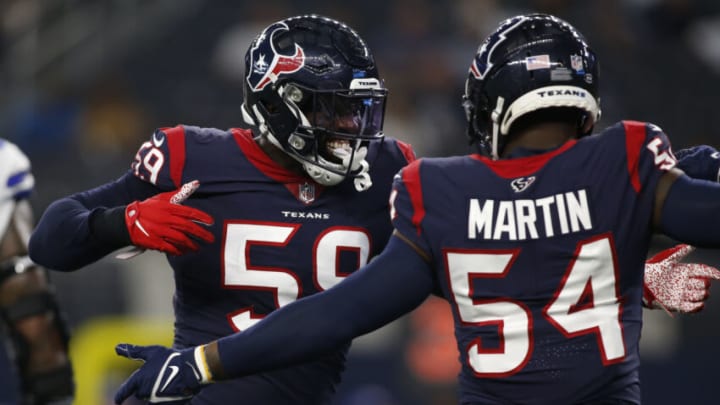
x=320, y=175
x=495, y=116
x=362, y=179
x=258, y=121
x=246, y=115
x=354, y=161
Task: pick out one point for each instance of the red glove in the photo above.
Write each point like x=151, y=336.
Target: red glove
x=161, y=223
x=675, y=286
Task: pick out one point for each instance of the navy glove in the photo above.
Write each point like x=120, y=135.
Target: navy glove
x=168, y=375
x=700, y=162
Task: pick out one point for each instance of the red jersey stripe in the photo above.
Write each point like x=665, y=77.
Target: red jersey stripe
x=635, y=134
x=411, y=179
x=176, y=146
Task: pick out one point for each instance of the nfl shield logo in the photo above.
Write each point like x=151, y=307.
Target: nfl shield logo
x=306, y=193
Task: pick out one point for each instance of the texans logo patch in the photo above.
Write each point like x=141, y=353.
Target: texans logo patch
x=521, y=183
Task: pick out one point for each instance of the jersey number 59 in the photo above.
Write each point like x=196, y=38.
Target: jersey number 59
x=240, y=273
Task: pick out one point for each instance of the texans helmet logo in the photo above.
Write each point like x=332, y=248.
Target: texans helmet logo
x=263, y=73
x=483, y=60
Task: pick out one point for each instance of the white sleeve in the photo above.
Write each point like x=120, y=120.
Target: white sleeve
x=16, y=181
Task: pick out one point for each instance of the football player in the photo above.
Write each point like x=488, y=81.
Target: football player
x=538, y=243
x=34, y=362
x=267, y=215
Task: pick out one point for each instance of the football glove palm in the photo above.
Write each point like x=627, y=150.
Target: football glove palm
x=675, y=286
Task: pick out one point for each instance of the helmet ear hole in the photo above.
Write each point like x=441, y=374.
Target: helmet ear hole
x=270, y=107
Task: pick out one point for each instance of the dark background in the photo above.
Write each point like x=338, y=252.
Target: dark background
x=83, y=83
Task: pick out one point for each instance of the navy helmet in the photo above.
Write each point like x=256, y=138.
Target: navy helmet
x=312, y=87
x=531, y=62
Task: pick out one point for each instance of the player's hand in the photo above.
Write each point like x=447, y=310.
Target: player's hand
x=675, y=286
x=161, y=223
x=168, y=375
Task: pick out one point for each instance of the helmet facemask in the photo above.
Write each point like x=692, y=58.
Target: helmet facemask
x=334, y=128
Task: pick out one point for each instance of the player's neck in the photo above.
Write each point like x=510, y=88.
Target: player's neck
x=278, y=156
x=546, y=135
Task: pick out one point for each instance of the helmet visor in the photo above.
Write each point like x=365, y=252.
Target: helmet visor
x=343, y=113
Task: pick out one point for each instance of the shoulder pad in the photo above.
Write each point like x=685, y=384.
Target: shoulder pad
x=16, y=180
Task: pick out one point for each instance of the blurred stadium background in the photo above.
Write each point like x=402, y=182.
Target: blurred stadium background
x=84, y=82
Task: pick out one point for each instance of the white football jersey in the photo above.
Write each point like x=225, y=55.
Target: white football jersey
x=16, y=181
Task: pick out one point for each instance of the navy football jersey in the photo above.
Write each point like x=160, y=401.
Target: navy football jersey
x=278, y=237
x=542, y=259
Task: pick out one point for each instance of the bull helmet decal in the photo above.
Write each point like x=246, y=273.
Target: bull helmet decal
x=263, y=73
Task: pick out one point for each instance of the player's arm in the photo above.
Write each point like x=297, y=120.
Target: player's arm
x=700, y=162
x=670, y=283
x=687, y=209
x=77, y=230
x=392, y=284
x=37, y=330
x=64, y=238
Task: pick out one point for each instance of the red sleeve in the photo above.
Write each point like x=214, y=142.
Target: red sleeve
x=160, y=161
x=176, y=146
x=407, y=151
x=649, y=153
x=411, y=179
x=634, y=140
